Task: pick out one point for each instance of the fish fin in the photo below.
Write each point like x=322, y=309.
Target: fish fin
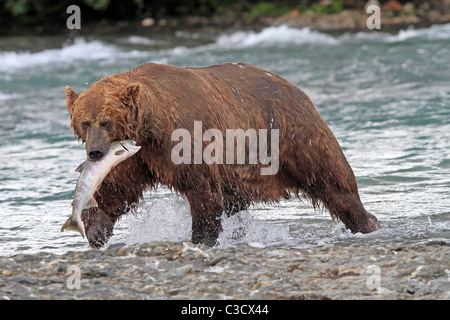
x=80, y=167
x=69, y=225
x=119, y=152
x=91, y=203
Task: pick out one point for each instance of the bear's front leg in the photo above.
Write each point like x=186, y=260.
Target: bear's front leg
x=99, y=222
x=206, y=212
x=98, y=227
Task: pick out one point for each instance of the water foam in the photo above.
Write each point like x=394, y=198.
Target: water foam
x=435, y=32
x=141, y=40
x=8, y=96
x=276, y=35
x=169, y=219
x=166, y=219
x=284, y=35
x=245, y=228
x=80, y=49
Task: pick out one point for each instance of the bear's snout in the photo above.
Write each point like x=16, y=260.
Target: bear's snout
x=97, y=143
x=95, y=153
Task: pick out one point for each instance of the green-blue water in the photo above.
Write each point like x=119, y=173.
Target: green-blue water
x=385, y=96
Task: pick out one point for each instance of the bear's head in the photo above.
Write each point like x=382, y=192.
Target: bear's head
x=103, y=114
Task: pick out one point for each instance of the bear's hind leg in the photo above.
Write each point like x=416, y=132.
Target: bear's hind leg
x=325, y=176
x=348, y=208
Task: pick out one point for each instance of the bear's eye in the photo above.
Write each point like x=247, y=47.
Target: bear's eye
x=85, y=124
x=105, y=123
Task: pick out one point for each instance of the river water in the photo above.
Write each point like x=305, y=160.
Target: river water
x=385, y=96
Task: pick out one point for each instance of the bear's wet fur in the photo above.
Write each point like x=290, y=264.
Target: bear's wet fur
x=148, y=103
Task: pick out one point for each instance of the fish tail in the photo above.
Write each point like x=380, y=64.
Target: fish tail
x=75, y=226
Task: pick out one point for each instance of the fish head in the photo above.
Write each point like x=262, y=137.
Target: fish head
x=124, y=149
x=130, y=146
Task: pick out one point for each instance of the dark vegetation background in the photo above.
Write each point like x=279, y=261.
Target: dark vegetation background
x=44, y=15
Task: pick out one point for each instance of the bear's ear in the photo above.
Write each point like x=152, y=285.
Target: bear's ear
x=71, y=96
x=130, y=95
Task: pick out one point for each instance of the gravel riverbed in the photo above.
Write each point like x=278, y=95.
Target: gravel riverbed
x=167, y=270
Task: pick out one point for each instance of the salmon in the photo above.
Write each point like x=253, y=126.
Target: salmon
x=92, y=174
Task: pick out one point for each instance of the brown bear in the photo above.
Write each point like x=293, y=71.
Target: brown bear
x=147, y=104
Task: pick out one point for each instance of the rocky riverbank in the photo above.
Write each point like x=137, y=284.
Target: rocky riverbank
x=394, y=16
x=324, y=16
x=165, y=270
